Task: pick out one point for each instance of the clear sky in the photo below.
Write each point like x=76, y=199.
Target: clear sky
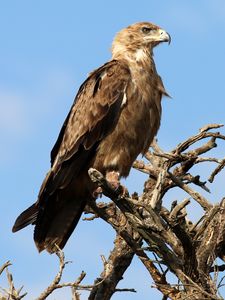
x=47, y=48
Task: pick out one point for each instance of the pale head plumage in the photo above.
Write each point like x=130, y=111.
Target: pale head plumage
x=138, y=38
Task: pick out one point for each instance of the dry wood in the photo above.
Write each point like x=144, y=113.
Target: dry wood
x=165, y=239
x=193, y=248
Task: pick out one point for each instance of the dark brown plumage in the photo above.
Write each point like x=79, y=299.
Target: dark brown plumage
x=115, y=116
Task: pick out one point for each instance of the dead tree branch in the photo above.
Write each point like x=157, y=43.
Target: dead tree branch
x=11, y=293
x=166, y=238
x=188, y=250
x=120, y=258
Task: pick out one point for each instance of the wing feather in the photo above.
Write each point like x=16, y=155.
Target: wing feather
x=93, y=115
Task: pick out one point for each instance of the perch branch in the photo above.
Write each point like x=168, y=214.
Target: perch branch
x=119, y=260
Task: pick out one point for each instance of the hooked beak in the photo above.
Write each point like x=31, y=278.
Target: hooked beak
x=164, y=36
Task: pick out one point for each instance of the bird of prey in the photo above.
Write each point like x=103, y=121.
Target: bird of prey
x=115, y=116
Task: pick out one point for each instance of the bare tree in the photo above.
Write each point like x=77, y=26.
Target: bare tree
x=187, y=250
x=165, y=239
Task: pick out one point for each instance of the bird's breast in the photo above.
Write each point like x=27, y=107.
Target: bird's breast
x=134, y=132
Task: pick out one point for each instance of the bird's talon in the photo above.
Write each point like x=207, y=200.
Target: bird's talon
x=123, y=191
x=97, y=193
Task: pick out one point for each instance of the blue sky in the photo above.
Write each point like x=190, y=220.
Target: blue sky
x=47, y=49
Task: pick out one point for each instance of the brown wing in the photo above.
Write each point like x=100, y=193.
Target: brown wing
x=93, y=115
x=100, y=95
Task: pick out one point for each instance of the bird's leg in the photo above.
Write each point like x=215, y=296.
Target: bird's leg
x=113, y=178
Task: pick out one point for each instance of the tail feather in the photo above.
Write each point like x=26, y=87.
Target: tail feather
x=64, y=224
x=59, y=229
x=56, y=222
x=28, y=216
x=61, y=201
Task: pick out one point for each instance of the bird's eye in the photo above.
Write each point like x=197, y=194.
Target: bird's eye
x=146, y=30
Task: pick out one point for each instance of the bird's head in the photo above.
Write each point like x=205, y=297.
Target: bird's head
x=143, y=35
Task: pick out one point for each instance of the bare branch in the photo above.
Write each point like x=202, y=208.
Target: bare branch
x=147, y=228
x=217, y=170
x=57, y=285
x=119, y=260
x=205, y=204
x=11, y=293
x=4, y=266
x=210, y=126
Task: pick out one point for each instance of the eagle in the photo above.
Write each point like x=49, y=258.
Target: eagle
x=114, y=118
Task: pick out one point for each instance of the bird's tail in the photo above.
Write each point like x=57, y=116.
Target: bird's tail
x=28, y=216
x=61, y=201
x=57, y=221
x=54, y=220
x=54, y=224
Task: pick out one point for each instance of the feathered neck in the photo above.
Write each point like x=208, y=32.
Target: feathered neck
x=141, y=58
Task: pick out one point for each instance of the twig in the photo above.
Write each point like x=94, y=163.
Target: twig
x=201, y=291
x=217, y=170
x=220, y=268
x=12, y=293
x=210, y=126
x=90, y=218
x=201, y=135
x=56, y=282
x=157, y=192
x=205, y=204
x=4, y=266
x=177, y=209
x=145, y=168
